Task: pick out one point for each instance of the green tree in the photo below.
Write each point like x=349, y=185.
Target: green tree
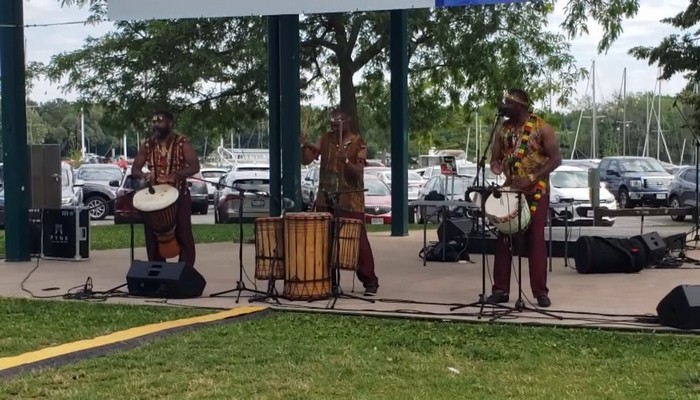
x=210, y=72
x=680, y=54
x=459, y=58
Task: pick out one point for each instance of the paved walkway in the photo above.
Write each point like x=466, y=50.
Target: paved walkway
x=406, y=287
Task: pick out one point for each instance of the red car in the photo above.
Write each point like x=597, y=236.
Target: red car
x=377, y=201
x=124, y=211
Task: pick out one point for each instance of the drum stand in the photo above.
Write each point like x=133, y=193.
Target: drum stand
x=520, y=304
x=336, y=291
x=240, y=284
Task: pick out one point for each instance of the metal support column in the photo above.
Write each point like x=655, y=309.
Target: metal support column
x=290, y=125
x=399, y=122
x=14, y=130
x=273, y=87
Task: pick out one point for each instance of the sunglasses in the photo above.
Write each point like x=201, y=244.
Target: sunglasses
x=158, y=119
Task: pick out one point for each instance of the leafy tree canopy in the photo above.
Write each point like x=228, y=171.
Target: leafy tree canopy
x=213, y=71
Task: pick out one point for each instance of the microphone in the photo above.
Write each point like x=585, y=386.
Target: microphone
x=675, y=102
x=287, y=204
x=150, y=187
x=501, y=110
x=495, y=192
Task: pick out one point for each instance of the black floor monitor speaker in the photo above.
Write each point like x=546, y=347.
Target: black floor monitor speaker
x=680, y=308
x=164, y=280
x=453, y=229
x=655, y=247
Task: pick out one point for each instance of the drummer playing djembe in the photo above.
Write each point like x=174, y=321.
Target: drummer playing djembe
x=171, y=160
x=525, y=149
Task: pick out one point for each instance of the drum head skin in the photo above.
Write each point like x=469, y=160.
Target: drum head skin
x=164, y=196
x=502, y=207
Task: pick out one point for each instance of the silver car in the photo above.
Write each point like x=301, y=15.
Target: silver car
x=252, y=188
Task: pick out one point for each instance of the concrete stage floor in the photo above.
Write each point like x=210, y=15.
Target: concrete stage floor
x=406, y=287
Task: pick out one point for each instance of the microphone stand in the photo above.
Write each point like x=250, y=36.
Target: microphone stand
x=240, y=284
x=519, y=303
x=333, y=198
x=696, y=217
x=483, y=194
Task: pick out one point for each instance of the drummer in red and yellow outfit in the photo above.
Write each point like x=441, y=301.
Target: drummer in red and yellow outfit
x=526, y=151
x=171, y=160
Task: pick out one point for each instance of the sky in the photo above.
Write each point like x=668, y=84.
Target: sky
x=645, y=29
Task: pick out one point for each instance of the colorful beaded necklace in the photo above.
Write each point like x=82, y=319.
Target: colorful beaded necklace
x=541, y=184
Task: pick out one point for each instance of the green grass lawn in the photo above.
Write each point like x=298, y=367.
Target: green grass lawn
x=106, y=237
x=304, y=356
x=29, y=325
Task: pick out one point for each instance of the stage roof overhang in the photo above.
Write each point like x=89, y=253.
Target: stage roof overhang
x=119, y=10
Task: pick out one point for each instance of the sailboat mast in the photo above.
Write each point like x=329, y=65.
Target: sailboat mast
x=594, y=134
x=624, y=112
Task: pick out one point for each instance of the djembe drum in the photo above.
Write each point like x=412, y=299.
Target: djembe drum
x=269, y=248
x=505, y=214
x=307, y=274
x=158, y=211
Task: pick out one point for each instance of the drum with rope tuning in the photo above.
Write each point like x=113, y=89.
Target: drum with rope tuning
x=505, y=214
x=158, y=211
x=269, y=248
x=346, y=247
x=306, y=256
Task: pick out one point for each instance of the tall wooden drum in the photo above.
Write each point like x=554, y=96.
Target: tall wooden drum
x=269, y=248
x=307, y=273
x=158, y=211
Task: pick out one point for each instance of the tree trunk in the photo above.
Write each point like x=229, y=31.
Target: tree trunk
x=348, y=96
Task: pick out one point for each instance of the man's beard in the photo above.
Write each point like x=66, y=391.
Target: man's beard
x=161, y=132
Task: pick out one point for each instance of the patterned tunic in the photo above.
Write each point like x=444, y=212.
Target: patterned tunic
x=332, y=173
x=163, y=160
x=534, y=158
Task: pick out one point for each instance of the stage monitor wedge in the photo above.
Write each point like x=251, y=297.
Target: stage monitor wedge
x=680, y=308
x=655, y=247
x=454, y=229
x=164, y=280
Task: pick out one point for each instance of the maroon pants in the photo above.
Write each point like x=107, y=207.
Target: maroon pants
x=530, y=243
x=183, y=233
x=365, y=259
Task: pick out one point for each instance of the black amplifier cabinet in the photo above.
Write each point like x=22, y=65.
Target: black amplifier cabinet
x=65, y=234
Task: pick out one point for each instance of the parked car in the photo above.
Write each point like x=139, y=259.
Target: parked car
x=98, y=195
x=212, y=176
x=636, y=180
x=449, y=189
x=377, y=201
x=124, y=211
x=415, y=181
x=71, y=187
x=585, y=164
x=681, y=191
x=256, y=201
x=570, y=199
x=199, y=193
x=309, y=187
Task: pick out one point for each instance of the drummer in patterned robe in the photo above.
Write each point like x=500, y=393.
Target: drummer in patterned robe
x=170, y=159
x=343, y=156
x=526, y=151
